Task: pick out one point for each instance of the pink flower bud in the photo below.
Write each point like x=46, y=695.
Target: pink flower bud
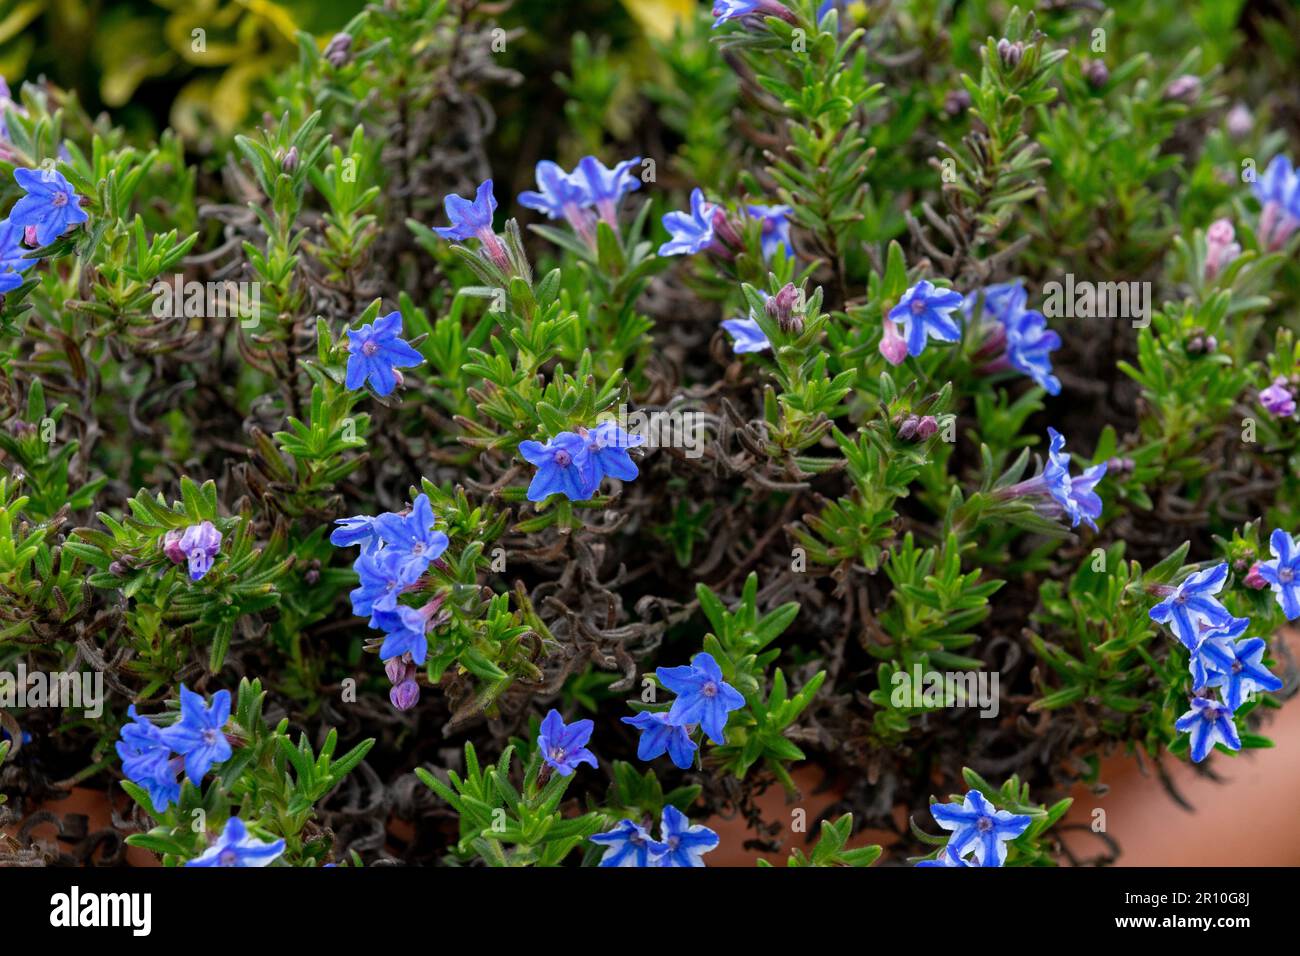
x=1254, y=579
x=1220, y=249
x=926, y=427
x=892, y=345
x=171, y=546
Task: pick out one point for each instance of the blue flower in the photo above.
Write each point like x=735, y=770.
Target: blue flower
x=1236, y=666
x=608, y=445
x=200, y=544
x=557, y=192
x=236, y=848
x=405, y=633
x=1192, y=604
x=1061, y=493
x=199, y=735
x=1209, y=722
x=147, y=760
x=628, y=844
x=564, y=746
x=776, y=228
x=606, y=187
x=726, y=10
x=1087, y=502
x=1029, y=342
x=1279, y=184
x=564, y=466
x=683, y=844
x=977, y=824
x=12, y=263
x=375, y=350
x=925, y=312
x=659, y=735
x=702, y=696
x=384, y=575
x=946, y=857
x=1283, y=572
x=746, y=335
x=1001, y=301
x=50, y=204
x=470, y=219
x=412, y=536
x=359, y=530
x=691, y=231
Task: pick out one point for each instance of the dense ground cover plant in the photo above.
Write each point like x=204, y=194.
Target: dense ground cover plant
x=907, y=390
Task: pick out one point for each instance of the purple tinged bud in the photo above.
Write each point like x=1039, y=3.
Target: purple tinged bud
x=338, y=49
x=723, y=229
x=1278, y=399
x=395, y=668
x=892, y=344
x=289, y=162
x=1184, y=89
x=926, y=427
x=1096, y=73
x=781, y=308
x=1254, y=579
x=1010, y=53
x=956, y=102
x=907, y=430
x=1239, y=122
x=1220, y=247
x=171, y=546
x=405, y=695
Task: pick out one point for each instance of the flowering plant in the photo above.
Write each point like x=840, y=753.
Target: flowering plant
x=901, y=397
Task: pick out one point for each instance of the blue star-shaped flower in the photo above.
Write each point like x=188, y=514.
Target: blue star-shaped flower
x=1236, y=666
x=1001, y=301
x=776, y=228
x=470, y=219
x=405, y=632
x=628, y=844
x=606, y=187
x=200, y=544
x=726, y=10
x=702, y=696
x=412, y=536
x=1283, y=572
x=1192, y=604
x=359, y=530
x=236, y=848
x=691, y=231
x=746, y=335
x=50, y=204
x=925, y=312
x=147, y=760
x=1087, y=502
x=1279, y=184
x=1209, y=722
x=12, y=263
x=564, y=466
x=375, y=350
x=977, y=824
x=384, y=575
x=659, y=735
x=199, y=735
x=608, y=445
x=557, y=194
x=564, y=746
x=683, y=844
x=1029, y=342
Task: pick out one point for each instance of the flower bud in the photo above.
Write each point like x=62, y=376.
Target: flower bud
x=907, y=430
x=1254, y=579
x=1010, y=53
x=892, y=345
x=171, y=546
x=1184, y=89
x=781, y=308
x=1096, y=73
x=395, y=668
x=338, y=49
x=1239, y=122
x=289, y=162
x=956, y=102
x=405, y=695
x=1220, y=249
x=926, y=427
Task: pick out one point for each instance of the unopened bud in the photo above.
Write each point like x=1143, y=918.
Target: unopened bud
x=338, y=49
x=1184, y=89
x=1010, y=53
x=956, y=102
x=1254, y=579
x=926, y=427
x=1096, y=73
x=405, y=695
x=781, y=308
x=907, y=430
x=289, y=162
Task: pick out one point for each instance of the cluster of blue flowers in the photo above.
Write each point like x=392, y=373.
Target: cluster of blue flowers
x=977, y=829
x=396, y=551
x=153, y=756
x=679, y=843
x=574, y=464
x=48, y=210
x=1220, y=658
x=572, y=196
x=706, y=226
x=1016, y=337
x=376, y=352
x=703, y=700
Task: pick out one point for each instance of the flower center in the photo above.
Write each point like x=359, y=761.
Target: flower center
x=1285, y=575
x=229, y=857
x=370, y=348
x=60, y=199
x=1180, y=598
x=563, y=459
x=917, y=306
x=210, y=736
x=984, y=825
x=557, y=754
x=709, y=690
x=417, y=548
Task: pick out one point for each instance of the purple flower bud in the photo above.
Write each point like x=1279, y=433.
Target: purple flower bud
x=396, y=669
x=405, y=695
x=171, y=546
x=289, y=162
x=1254, y=579
x=1184, y=89
x=1220, y=249
x=1096, y=73
x=338, y=49
x=907, y=430
x=1239, y=122
x=892, y=344
x=781, y=308
x=926, y=427
x=956, y=102
x=1278, y=399
x=1010, y=53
